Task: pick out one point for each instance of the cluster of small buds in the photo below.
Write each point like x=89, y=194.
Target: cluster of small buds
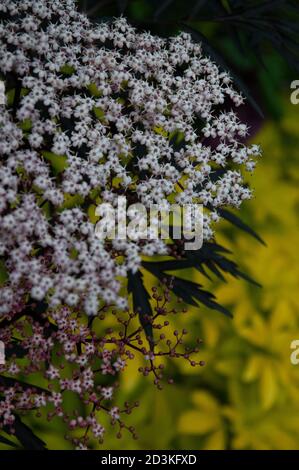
x=94, y=111
x=74, y=355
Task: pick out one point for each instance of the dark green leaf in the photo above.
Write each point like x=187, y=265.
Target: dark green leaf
x=190, y=292
x=141, y=303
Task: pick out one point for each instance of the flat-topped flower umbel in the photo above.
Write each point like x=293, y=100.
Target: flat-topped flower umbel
x=100, y=111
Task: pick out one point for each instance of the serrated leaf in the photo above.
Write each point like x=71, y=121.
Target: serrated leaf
x=99, y=113
x=94, y=91
x=7, y=442
x=27, y=437
x=91, y=211
x=67, y=70
x=141, y=303
x=25, y=125
x=235, y=220
x=197, y=7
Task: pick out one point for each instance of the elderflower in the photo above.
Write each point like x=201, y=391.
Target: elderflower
x=100, y=102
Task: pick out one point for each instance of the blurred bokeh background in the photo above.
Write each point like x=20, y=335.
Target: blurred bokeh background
x=247, y=395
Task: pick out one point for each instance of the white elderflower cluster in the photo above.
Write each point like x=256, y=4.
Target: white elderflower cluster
x=103, y=110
